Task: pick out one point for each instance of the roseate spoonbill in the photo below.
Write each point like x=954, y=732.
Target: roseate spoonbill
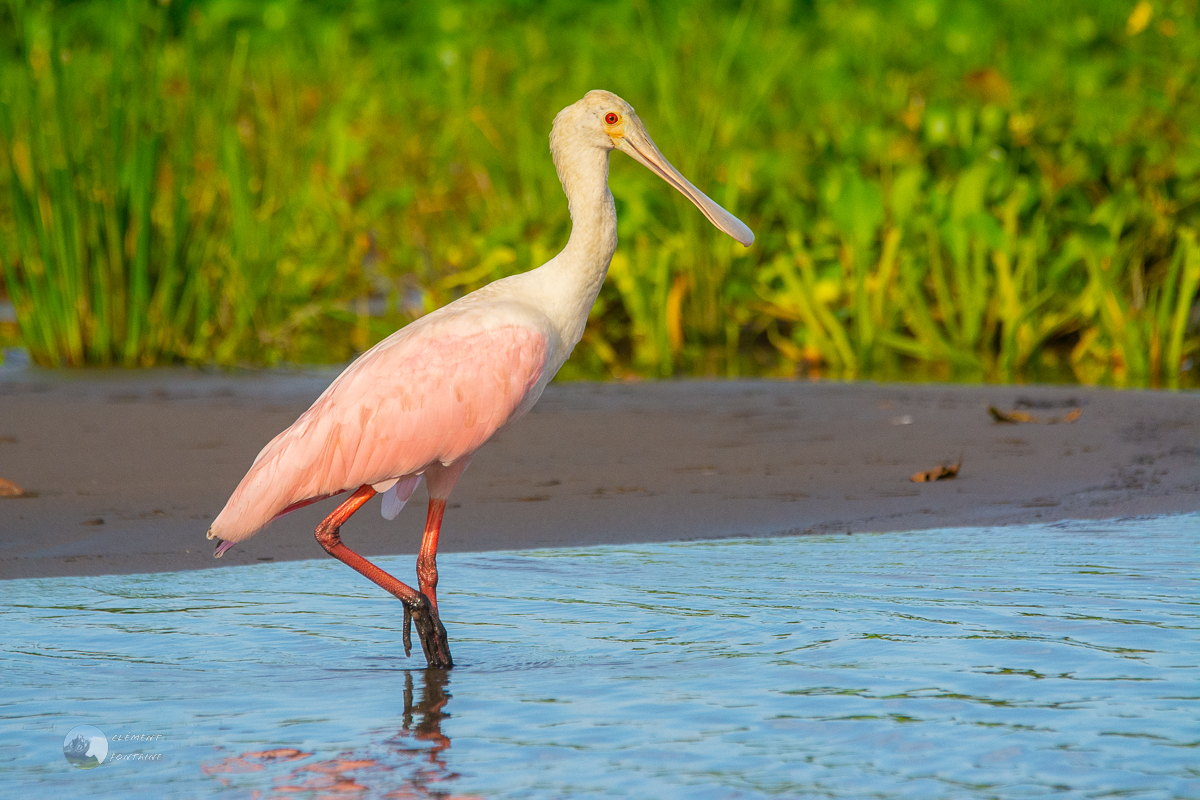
x=422, y=401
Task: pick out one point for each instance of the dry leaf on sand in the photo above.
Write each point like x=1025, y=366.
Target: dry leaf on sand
x=10, y=489
x=1022, y=416
x=944, y=472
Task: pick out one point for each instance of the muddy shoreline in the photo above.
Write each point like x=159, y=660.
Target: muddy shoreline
x=128, y=468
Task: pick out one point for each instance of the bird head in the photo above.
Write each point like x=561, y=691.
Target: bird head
x=605, y=121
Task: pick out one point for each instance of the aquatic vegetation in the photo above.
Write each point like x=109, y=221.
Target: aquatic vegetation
x=993, y=190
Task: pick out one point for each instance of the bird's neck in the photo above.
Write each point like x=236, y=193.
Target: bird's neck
x=593, y=215
x=579, y=270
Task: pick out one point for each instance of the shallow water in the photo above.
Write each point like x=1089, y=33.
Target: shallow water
x=1014, y=662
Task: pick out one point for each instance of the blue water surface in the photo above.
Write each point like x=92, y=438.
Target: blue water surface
x=1057, y=660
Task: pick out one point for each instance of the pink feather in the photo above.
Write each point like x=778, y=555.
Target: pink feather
x=430, y=394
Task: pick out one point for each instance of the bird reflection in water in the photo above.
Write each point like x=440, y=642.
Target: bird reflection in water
x=423, y=724
x=417, y=755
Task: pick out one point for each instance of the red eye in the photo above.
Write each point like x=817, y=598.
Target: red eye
x=611, y=118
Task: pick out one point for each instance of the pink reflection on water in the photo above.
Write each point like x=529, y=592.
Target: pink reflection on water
x=423, y=771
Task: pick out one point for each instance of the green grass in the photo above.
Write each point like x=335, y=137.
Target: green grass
x=991, y=190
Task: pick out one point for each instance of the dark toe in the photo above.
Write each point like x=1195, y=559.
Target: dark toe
x=430, y=631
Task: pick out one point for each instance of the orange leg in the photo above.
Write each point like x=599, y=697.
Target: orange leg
x=427, y=577
x=417, y=607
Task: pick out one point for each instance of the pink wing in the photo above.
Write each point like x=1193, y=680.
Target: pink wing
x=434, y=396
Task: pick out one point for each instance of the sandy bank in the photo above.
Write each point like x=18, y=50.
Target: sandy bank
x=129, y=468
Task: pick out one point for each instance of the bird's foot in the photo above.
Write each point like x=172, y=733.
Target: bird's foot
x=430, y=630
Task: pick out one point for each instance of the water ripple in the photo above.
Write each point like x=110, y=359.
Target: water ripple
x=1017, y=662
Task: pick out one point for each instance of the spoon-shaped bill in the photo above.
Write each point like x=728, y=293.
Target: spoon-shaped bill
x=637, y=144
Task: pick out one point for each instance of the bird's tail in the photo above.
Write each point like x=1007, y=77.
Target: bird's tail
x=222, y=544
x=265, y=493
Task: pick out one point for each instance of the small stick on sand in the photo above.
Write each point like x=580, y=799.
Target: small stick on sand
x=942, y=473
x=1022, y=416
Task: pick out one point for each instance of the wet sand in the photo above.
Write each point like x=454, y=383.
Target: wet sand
x=128, y=469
